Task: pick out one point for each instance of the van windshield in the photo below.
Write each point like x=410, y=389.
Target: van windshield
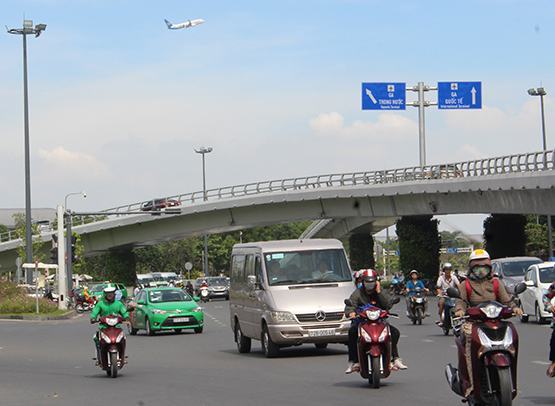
x=299, y=267
x=518, y=268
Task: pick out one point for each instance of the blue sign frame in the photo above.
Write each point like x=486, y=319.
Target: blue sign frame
x=384, y=96
x=459, y=95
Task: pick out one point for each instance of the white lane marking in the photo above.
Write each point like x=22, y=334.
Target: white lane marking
x=215, y=320
x=541, y=362
x=404, y=336
x=453, y=346
x=427, y=340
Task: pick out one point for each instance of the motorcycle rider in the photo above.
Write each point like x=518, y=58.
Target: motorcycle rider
x=412, y=285
x=550, y=305
x=445, y=281
x=106, y=307
x=483, y=288
x=370, y=293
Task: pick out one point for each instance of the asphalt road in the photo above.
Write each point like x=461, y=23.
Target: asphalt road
x=49, y=363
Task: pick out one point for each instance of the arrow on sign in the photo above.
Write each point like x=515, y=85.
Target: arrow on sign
x=473, y=91
x=369, y=94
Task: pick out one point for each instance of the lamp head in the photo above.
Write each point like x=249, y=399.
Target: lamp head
x=39, y=28
x=84, y=195
x=532, y=92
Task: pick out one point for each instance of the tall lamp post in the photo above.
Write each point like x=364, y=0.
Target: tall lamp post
x=204, y=151
x=27, y=29
x=540, y=91
x=69, y=239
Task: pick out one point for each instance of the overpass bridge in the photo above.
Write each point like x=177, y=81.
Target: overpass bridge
x=340, y=203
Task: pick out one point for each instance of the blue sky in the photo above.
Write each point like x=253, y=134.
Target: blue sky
x=118, y=101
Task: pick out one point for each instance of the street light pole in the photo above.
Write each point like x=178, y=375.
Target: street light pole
x=26, y=30
x=204, y=151
x=540, y=91
x=69, y=239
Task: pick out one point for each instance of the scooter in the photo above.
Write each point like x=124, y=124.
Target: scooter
x=494, y=354
x=111, y=354
x=374, y=343
x=204, y=294
x=84, y=305
x=397, y=286
x=447, y=311
x=417, y=306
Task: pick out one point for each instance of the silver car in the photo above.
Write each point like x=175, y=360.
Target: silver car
x=289, y=292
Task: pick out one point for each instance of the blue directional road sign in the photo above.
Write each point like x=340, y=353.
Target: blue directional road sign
x=384, y=96
x=459, y=95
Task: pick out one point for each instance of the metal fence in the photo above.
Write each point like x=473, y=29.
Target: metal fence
x=519, y=163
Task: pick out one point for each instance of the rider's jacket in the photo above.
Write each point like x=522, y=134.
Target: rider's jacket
x=360, y=298
x=105, y=308
x=482, y=291
x=412, y=285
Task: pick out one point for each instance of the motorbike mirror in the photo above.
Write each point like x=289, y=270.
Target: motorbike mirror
x=453, y=293
x=520, y=287
x=395, y=300
x=348, y=302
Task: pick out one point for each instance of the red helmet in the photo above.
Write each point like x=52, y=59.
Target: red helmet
x=368, y=274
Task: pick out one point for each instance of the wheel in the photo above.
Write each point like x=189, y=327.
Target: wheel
x=504, y=394
x=149, y=330
x=198, y=330
x=269, y=348
x=178, y=330
x=321, y=346
x=243, y=343
x=419, y=316
x=114, y=364
x=537, y=314
x=133, y=331
x=414, y=321
x=446, y=331
x=79, y=308
x=524, y=317
x=374, y=378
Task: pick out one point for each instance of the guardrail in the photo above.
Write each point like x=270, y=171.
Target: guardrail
x=518, y=163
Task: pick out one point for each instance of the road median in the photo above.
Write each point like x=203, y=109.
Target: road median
x=57, y=315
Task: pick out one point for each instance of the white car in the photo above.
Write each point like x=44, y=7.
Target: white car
x=538, y=278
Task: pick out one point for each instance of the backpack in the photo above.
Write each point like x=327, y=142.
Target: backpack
x=495, y=288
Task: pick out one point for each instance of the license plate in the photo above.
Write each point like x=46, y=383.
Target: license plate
x=181, y=319
x=321, y=333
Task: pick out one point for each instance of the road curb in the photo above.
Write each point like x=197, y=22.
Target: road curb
x=66, y=316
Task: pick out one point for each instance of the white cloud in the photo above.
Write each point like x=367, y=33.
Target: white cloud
x=387, y=125
x=80, y=163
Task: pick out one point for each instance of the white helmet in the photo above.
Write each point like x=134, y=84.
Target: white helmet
x=109, y=289
x=478, y=254
x=447, y=265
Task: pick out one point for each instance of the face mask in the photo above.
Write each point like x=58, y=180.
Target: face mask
x=370, y=287
x=359, y=285
x=480, y=272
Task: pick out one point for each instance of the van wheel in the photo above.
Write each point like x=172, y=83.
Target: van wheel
x=524, y=317
x=538, y=314
x=243, y=342
x=269, y=348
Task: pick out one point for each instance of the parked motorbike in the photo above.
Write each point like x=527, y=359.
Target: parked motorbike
x=447, y=313
x=494, y=354
x=417, y=306
x=374, y=343
x=111, y=355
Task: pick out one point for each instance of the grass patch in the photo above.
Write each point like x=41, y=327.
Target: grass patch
x=55, y=313
x=13, y=300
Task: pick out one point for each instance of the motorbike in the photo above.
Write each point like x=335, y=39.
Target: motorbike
x=204, y=294
x=417, y=306
x=397, y=286
x=374, y=343
x=447, y=312
x=111, y=355
x=84, y=305
x=494, y=354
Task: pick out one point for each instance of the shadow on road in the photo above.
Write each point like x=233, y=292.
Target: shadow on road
x=291, y=353
x=540, y=400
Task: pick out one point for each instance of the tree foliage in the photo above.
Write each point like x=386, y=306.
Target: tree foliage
x=536, y=236
x=419, y=244
x=361, y=251
x=40, y=252
x=504, y=235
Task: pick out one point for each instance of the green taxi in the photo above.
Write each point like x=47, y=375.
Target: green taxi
x=166, y=308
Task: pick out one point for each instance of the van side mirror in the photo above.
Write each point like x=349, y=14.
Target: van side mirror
x=453, y=293
x=251, y=281
x=529, y=284
x=519, y=288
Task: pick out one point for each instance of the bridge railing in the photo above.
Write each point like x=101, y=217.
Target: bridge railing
x=518, y=163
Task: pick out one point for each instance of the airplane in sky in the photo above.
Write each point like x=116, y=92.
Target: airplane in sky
x=186, y=24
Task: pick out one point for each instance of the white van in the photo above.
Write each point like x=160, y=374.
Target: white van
x=289, y=292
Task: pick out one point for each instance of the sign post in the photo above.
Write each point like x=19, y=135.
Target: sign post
x=188, y=267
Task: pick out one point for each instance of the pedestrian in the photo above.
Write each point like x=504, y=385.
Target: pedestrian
x=550, y=305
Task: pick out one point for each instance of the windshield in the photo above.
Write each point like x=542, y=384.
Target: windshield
x=517, y=268
x=217, y=281
x=289, y=268
x=99, y=288
x=547, y=275
x=164, y=296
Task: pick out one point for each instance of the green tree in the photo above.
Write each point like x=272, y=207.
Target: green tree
x=536, y=239
x=40, y=252
x=419, y=244
x=504, y=235
x=361, y=251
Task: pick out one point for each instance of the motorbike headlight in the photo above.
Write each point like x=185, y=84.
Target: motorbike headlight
x=105, y=338
x=365, y=336
x=120, y=337
x=419, y=300
x=491, y=311
x=281, y=317
x=383, y=335
x=111, y=321
x=158, y=311
x=373, y=314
